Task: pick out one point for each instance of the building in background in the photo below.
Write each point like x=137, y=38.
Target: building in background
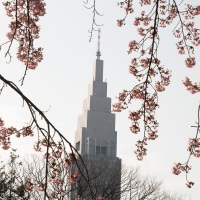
x=96, y=138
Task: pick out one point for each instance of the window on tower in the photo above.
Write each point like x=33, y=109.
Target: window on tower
x=98, y=150
x=103, y=150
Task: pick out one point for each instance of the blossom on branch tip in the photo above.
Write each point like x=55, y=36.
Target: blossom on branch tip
x=135, y=127
x=73, y=177
x=141, y=31
x=144, y=20
x=141, y=151
x=159, y=87
x=120, y=23
x=190, y=62
x=118, y=107
x=144, y=62
x=134, y=116
x=122, y=96
x=27, y=131
x=127, y=5
x=191, y=87
x=178, y=168
x=133, y=45
x=133, y=70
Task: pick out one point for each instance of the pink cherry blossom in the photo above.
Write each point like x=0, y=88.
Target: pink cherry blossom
x=190, y=62
x=191, y=87
x=194, y=147
x=25, y=30
x=120, y=22
x=133, y=46
x=177, y=168
x=159, y=87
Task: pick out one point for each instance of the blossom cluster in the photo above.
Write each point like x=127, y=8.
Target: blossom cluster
x=192, y=87
x=25, y=29
x=194, y=147
x=144, y=20
x=191, y=11
x=178, y=168
x=127, y=5
x=5, y=134
x=141, y=150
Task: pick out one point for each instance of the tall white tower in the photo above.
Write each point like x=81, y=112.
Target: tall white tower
x=96, y=140
x=95, y=134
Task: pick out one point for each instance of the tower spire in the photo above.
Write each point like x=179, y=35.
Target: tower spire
x=98, y=45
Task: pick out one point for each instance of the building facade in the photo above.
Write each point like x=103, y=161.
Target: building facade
x=95, y=134
x=96, y=140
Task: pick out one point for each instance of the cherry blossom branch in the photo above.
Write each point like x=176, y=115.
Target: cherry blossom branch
x=14, y=33
x=56, y=155
x=24, y=29
x=127, y=5
x=95, y=12
x=188, y=32
x=145, y=68
x=194, y=150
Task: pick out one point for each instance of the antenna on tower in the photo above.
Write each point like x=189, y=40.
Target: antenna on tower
x=98, y=45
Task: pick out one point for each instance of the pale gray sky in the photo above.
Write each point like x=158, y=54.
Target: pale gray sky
x=61, y=82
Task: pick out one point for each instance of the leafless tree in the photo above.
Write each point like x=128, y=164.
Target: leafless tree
x=110, y=179
x=107, y=178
